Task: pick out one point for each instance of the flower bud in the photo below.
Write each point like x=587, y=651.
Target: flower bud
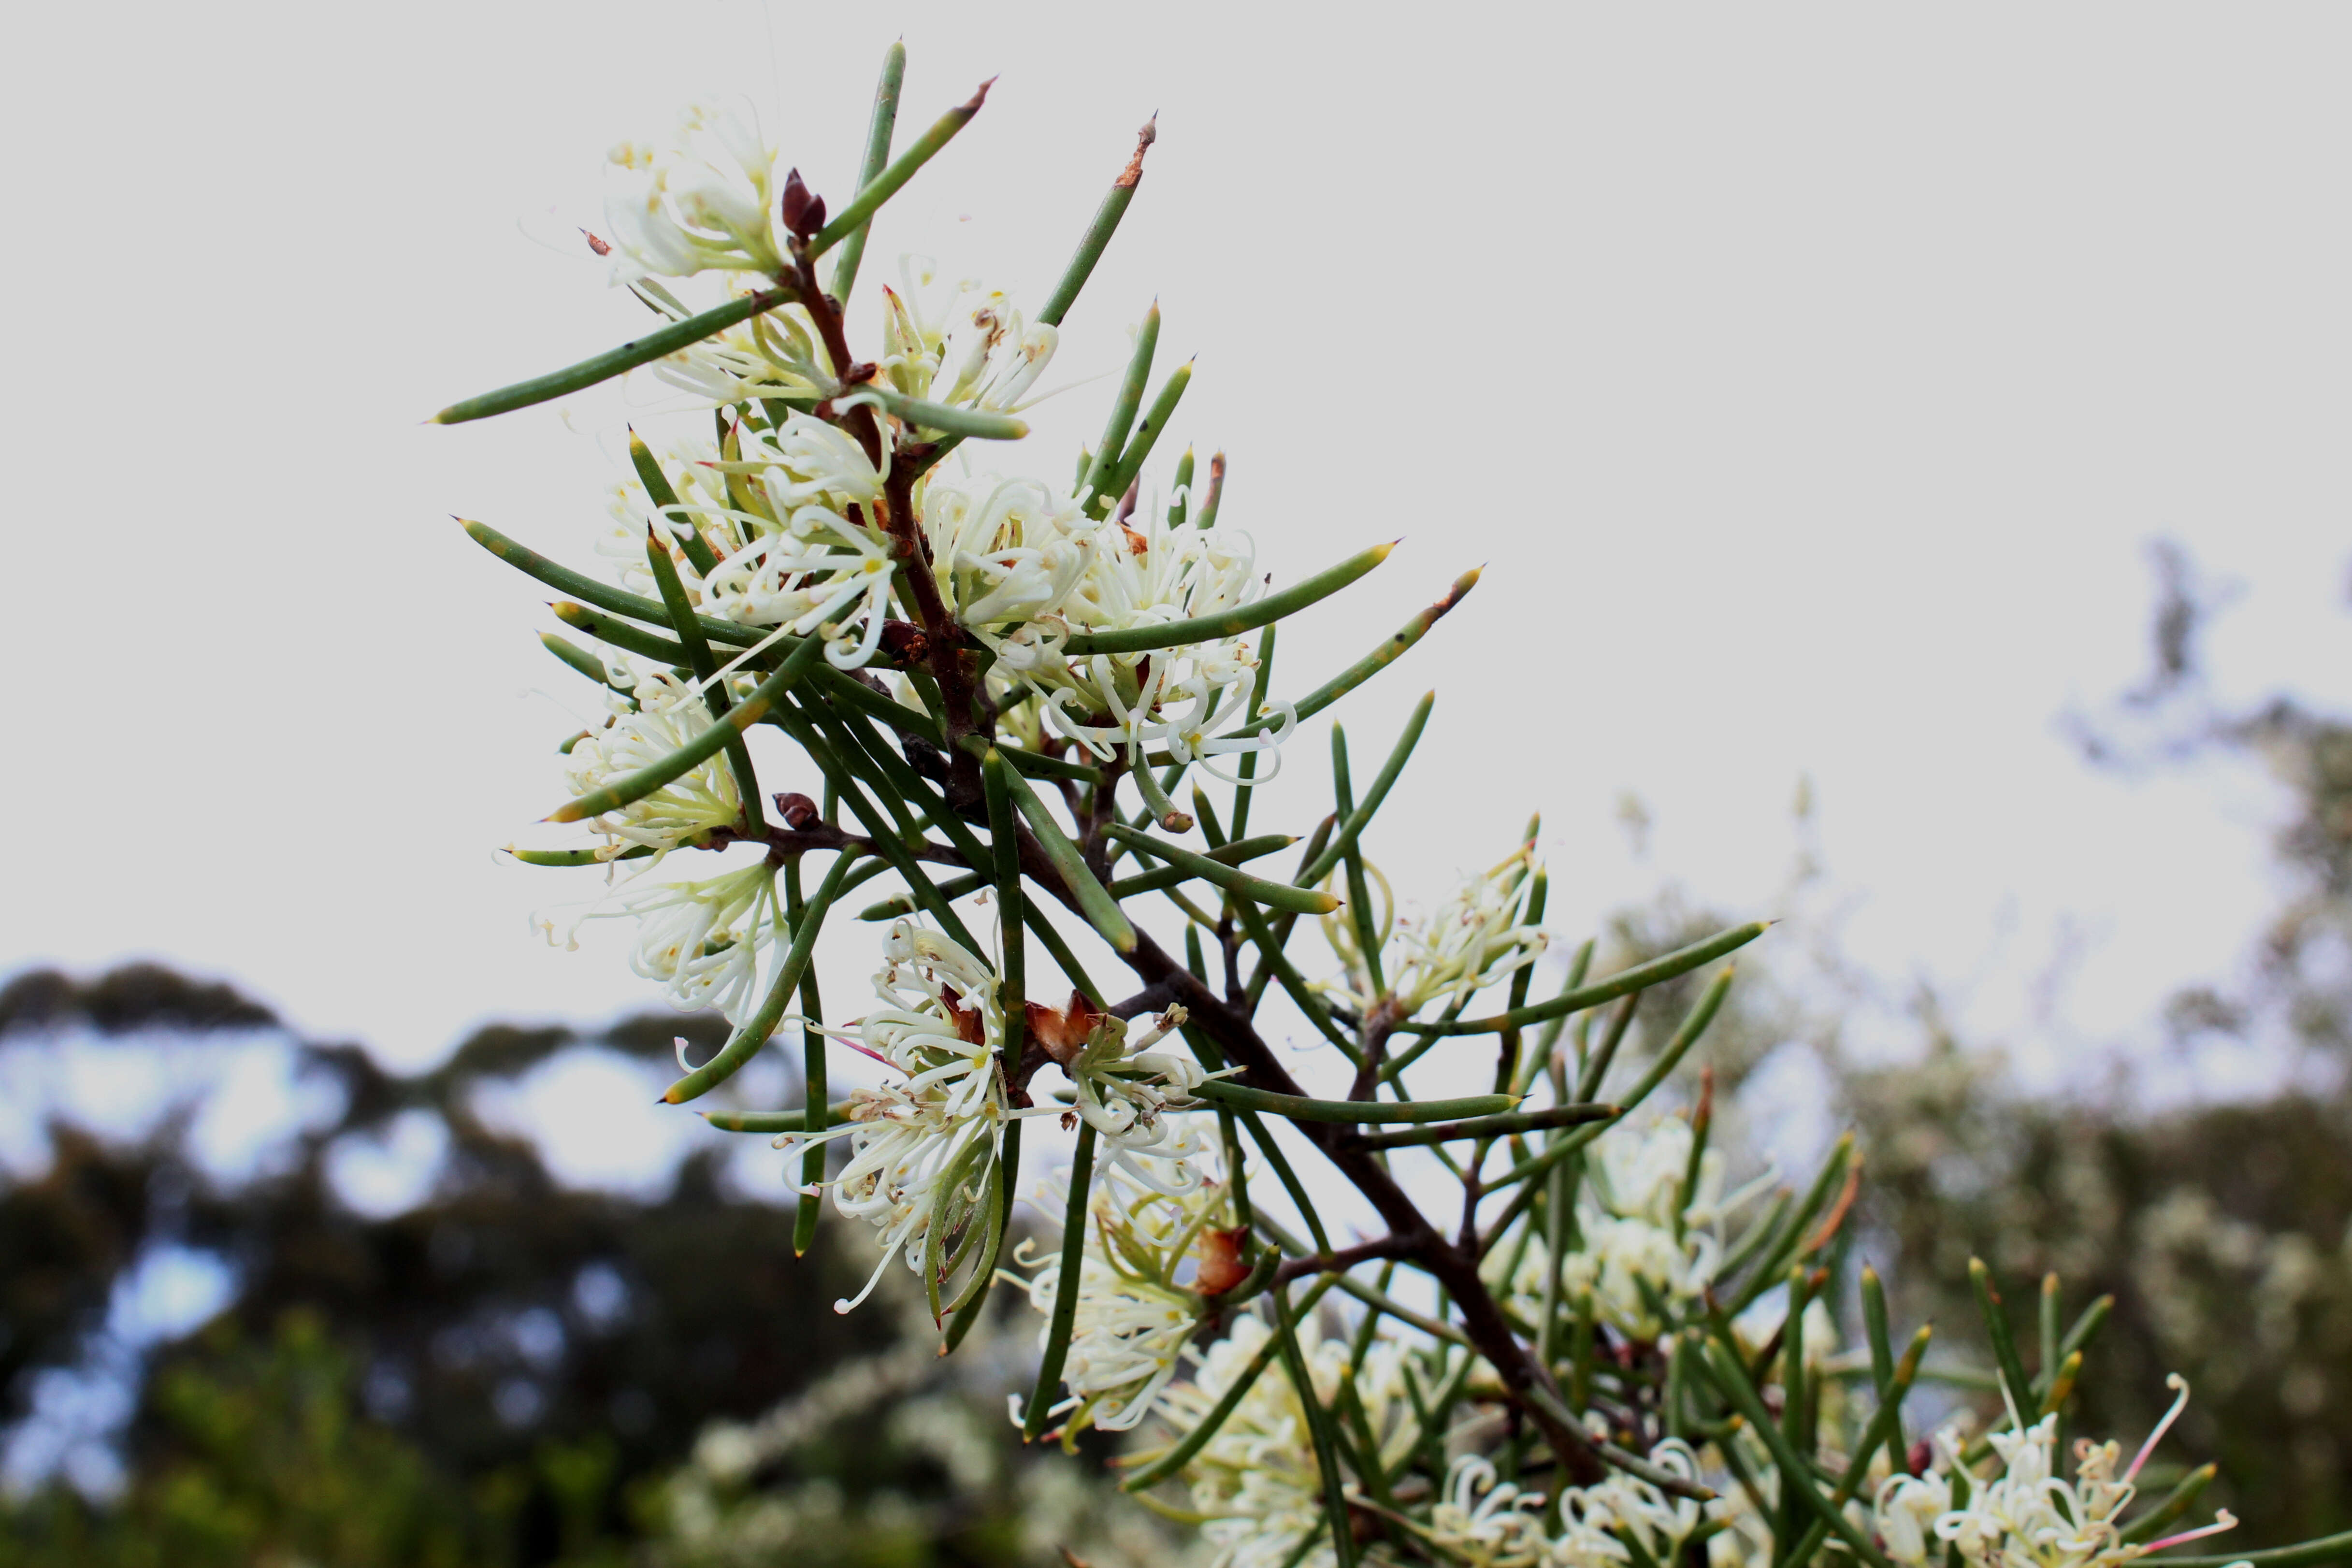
x=803, y=212
x=797, y=811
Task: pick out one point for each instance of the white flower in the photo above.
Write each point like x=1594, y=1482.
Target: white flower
x=1147, y=1215
x=2027, y=1516
x=916, y=1143
x=1477, y=937
x=1632, y=1508
x=1123, y=1090
x=1631, y=1254
x=977, y=352
x=701, y=202
x=703, y=939
x=1488, y=1525
x=667, y=715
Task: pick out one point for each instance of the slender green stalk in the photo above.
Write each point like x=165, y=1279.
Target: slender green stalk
x=1147, y=434
x=1319, y=1428
x=975, y=1299
x=2011, y=1366
x=1355, y=822
x=813, y=1069
x=1257, y=889
x=706, y=670
x=1298, y=1108
x=1102, y=911
x=1233, y=853
x=665, y=502
x=769, y=1122
x=970, y=422
x=1882, y=1355
x=1730, y=1379
x=576, y=657
x=1123, y=405
x=1233, y=623
x=878, y=158
x=1371, y=663
x=579, y=857
x=603, y=367
x=588, y=589
x=2176, y=1504
x=1492, y=1126
x=2326, y=1549
x=1011, y=906
x=1092, y=243
x=748, y=1040
x=1640, y=977
x=884, y=185
x=1360, y=894
x=1066, y=1292
x=903, y=903
x=1180, y=491
x=621, y=634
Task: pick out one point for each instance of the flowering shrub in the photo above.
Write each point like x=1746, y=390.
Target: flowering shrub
x=1001, y=684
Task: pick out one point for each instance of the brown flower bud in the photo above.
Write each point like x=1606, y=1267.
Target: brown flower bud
x=797, y=811
x=803, y=212
x=1219, y=1255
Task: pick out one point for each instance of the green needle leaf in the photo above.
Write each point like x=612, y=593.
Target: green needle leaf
x=967, y=422
x=1101, y=910
x=590, y=591
x=1257, y=889
x=603, y=367
x=1298, y=1108
x=771, y=1122
x=1097, y=236
x=1227, y=855
x=1641, y=976
x=1065, y=1294
x=1373, y=663
x=1493, y=1126
x=578, y=857
x=1360, y=818
x=665, y=499
x=629, y=639
x=878, y=155
x=884, y=185
x=1233, y=623
x=1122, y=415
x=578, y=657
x=1147, y=434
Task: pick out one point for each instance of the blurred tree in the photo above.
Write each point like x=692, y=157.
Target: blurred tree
x=502, y=1373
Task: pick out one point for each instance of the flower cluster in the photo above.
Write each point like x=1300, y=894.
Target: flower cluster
x=1643, y=1239
x=1480, y=935
x=1149, y=1214
x=2026, y=1516
x=918, y=1139
x=1255, y=1484
x=659, y=714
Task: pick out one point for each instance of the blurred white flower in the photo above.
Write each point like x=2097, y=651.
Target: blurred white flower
x=699, y=201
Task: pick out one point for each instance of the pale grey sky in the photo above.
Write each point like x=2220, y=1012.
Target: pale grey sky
x=1810, y=377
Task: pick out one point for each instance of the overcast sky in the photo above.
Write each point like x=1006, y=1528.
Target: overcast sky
x=1810, y=377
